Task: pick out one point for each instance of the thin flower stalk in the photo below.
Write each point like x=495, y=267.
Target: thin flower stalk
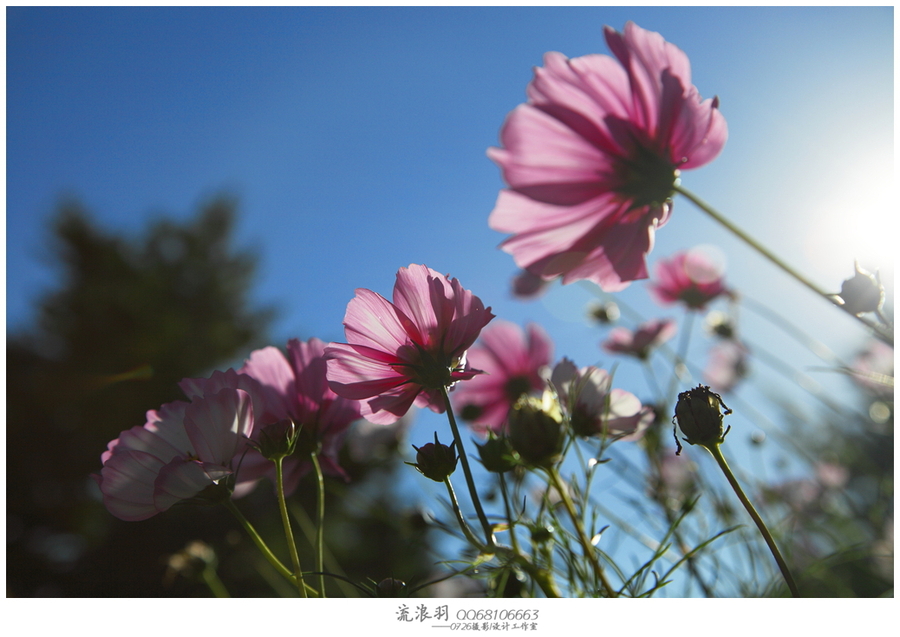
x=286, y=521
x=509, y=516
x=763, y=529
x=467, y=531
x=464, y=461
x=588, y=548
x=261, y=544
x=541, y=577
x=320, y=522
x=214, y=583
x=761, y=249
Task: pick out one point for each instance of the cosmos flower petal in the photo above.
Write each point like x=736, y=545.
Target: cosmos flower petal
x=514, y=359
x=590, y=160
x=416, y=345
x=181, y=479
x=358, y=372
x=373, y=321
x=217, y=424
x=127, y=484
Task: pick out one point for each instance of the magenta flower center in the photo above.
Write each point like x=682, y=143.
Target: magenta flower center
x=516, y=387
x=646, y=178
x=432, y=370
x=694, y=297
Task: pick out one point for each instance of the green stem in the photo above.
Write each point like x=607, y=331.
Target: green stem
x=785, y=571
x=473, y=493
x=543, y=579
x=509, y=518
x=474, y=541
x=260, y=543
x=753, y=243
x=320, y=521
x=211, y=579
x=587, y=547
x=286, y=522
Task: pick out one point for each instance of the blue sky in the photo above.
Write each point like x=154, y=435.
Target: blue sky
x=355, y=141
x=355, y=137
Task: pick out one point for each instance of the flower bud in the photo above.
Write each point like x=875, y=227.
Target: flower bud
x=278, y=439
x=699, y=417
x=604, y=313
x=390, y=587
x=863, y=293
x=541, y=534
x=496, y=454
x=435, y=460
x=535, y=431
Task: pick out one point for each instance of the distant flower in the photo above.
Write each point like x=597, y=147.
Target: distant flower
x=594, y=407
x=873, y=369
x=726, y=366
x=688, y=277
x=294, y=388
x=605, y=313
x=832, y=475
x=591, y=159
x=641, y=342
x=368, y=443
x=677, y=477
x=527, y=286
x=183, y=451
x=402, y=353
x=512, y=361
x=809, y=496
x=720, y=325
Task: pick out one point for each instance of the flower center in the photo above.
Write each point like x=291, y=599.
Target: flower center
x=646, y=178
x=433, y=371
x=516, y=387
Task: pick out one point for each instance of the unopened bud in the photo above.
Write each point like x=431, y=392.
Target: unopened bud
x=435, y=460
x=278, y=439
x=535, y=431
x=496, y=454
x=863, y=293
x=699, y=417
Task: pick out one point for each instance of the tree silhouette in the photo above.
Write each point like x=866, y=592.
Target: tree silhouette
x=133, y=317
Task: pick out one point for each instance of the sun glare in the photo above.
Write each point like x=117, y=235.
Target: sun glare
x=855, y=219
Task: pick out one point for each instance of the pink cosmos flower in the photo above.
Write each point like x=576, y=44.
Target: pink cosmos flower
x=689, y=277
x=873, y=369
x=403, y=353
x=586, y=395
x=591, y=159
x=184, y=450
x=726, y=366
x=295, y=388
x=512, y=361
x=639, y=343
x=677, y=476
